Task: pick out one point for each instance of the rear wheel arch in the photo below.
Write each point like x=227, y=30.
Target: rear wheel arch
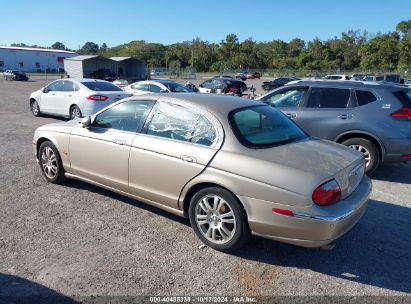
x=373, y=139
x=201, y=185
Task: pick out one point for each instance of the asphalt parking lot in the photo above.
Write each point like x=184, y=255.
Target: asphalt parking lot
x=79, y=240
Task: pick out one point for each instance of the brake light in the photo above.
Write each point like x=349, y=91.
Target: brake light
x=403, y=112
x=327, y=193
x=406, y=156
x=232, y=90
x=97, y=97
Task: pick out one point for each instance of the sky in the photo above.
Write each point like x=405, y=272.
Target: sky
x=75, y=22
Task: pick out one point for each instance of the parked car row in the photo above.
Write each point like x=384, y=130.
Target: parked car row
x=15, y=75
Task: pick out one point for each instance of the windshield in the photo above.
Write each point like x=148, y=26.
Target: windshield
x=263, y=127
x=176, y=87
x=101, y=86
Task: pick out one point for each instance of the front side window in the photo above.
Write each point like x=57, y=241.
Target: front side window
x=288, y=98
x=141, y=87
x=328, y=98
x=176, y=122
x=263, y=127
x=55, y=86
x=126, y=116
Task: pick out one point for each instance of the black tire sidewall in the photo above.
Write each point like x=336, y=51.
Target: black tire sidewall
x=375, y=157
x=60, y=170
x=242, y=233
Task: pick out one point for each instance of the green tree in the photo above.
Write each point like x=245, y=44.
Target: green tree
x=58, y=46
x=89, y=48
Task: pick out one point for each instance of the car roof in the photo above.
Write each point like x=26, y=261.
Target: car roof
x=346, y=83
x=218, y=105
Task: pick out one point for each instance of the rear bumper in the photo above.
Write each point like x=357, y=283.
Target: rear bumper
x=310, y=229
x=395, y=148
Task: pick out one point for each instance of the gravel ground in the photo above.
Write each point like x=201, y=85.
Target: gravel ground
x=79, y=240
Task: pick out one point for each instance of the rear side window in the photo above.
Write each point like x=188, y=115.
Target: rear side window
x=328, y=98
x=364, y=97
x=178, y=123
x=154, y=88
x=286, y=98
x=101, y=86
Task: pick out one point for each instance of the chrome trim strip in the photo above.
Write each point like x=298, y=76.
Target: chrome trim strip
x=323, y=217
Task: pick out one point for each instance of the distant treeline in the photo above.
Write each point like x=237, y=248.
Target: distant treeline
x=354, y=50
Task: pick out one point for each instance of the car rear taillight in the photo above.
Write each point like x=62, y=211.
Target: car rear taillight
x=97, y=97
x=327, y=193
x=403, y=113
x=232, y=90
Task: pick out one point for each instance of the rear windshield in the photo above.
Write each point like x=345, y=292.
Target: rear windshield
x=404, y=96
x=101, y=86
x=263, y=127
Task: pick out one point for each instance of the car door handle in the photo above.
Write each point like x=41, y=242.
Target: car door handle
x=345, y=116
x=291, y=115
x=188, y=159
x=119, y=142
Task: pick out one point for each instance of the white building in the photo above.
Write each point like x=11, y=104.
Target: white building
x=33, y=59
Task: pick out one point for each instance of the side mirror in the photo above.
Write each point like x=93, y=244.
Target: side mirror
x=86, y=122
x=163, y=91
x=45, y=90
x=201, y=85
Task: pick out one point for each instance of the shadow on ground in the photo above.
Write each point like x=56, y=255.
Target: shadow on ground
x=375, y=252
x=14, y=289
x=394, y=172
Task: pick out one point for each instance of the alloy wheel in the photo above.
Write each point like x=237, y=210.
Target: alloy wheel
x=75, y=113
x=215, y=219
x=364, y=151
x=49, y=163
x=35, y=108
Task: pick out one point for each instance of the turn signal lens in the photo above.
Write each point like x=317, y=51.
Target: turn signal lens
x=97, y=97
x=327, y=193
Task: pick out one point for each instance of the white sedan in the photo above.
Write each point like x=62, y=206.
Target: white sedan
x=155, y=86
x=75, y=98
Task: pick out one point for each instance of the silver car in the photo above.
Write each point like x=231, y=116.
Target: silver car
x=75, y=98
x=234, y=167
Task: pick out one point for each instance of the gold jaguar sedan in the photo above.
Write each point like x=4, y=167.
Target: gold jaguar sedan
x=233, y=166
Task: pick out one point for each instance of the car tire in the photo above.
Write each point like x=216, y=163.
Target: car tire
x=218, y=219
x=369, y=150
x=35, y=108
x=75, y=112
x=50, y=163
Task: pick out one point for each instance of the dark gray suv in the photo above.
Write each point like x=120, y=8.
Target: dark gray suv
x=374, y=118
